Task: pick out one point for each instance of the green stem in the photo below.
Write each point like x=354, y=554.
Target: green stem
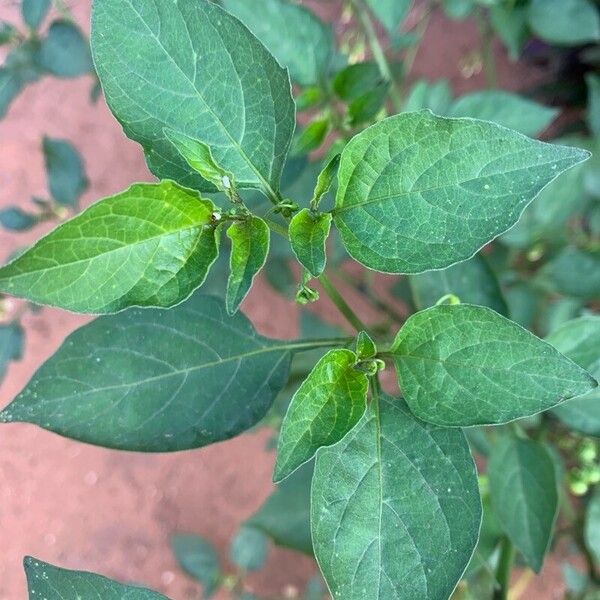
x=503, y=571
x=381, y=60
x=487, y=50
x=341, y=304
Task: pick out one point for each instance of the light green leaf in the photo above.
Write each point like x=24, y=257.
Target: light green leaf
x=308, y=234
x=419, y=192
x=249, y=251
x=395, y=487
x=34, y=11
x=327, y=405
x=51, y=583
x=461, y=365
x=436, y=96
x=248, y=549
x=524, y=495
x=157, y=381
x=565, y=22
x=192, y=68
x=151, y=245
x=285, y=516
x=198, y=558
x=65, y=52
x=11, y=345
x=458, y=9
x=65, y=171
x=473, y=281
x=579, y=339
x=295, y=36
x=390, y=13
x=506, y=109
x=365, y=346
x=574, y=272
x=592, y=525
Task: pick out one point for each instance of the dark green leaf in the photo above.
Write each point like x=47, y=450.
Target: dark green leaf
x=565, y=22
x=249, y=251
x=325, y=180
x=352, y=81
x=390, y=13
x=194, y=69
x=15, y=219
x=574, y=272
x=249, y=549
x=510, y=24
x=395, y=487
x=523, y=301
x=157, y=381
x=51, y=583
x=593, y=108
x=579, y=339
x=489, y=536
x=472, y=281
x=65, y=171
x=285, y=516
x=461, y=365
x=199, y=559
x=506, y=109
x=419, y=192
x=65, y=52
x=7, y=32
x=592, y=525
x=311, y=137
x=327, y=405
x=294, y=35
x=151, y=245
x=524, y=495
x=308, y=234
x=11, y=345
x=34, y=11
x=365, y=107
x=19, y=69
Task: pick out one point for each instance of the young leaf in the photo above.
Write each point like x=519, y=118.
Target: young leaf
x=327, y=405
x=325, y=181
x=295, y=36
x=472, y=281
x=34, y=11
x=565, y=22
x=395, y=487
x=65, y=52
x=15, y=219
x=151, y=245
x=579, y=339
x=365, y=346
x=524, y=495
x=249, y=251
x=308, y=234
x=461, y=365
x=419, y=192
x=248, y=549
x=193, y=68
x=157, y=381
x=52, y=583
x=390, y=13
x=11, y=345
x=574, y=272
x=198, y=558
x=65, y=171
x=592, y=525
x=506, y=109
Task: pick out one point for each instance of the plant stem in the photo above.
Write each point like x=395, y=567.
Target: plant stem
x=503, y=571
x=366, y=23
x=341, y=304
x=411, y=53
x=487, y=50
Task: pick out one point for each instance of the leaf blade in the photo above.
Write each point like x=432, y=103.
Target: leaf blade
x=308, y=235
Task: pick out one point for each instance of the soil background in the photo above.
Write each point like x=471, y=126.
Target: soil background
x=112, y=512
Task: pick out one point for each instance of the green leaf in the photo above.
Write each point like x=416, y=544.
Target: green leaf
x=311, y=137
x=437, y=97
x=194, y=69
x=574, y=272
x=365, y=346
x=198, y=558
x=295, y=36
x=157, y=381
x=461, y=365
x=15, y=219
x=506, y=109
x=458, y=9
x=285, y=516
x=593, y=109
x=20, y=68
x=34, y=11
x=365, y=107
x=65, y=52
x=579, y=339
x=565, y=22
x=592, y=525
x=11, y=345
x=308, y=233
x=419, y=192
x=524, y=495
x=510, y=24
x=395, y=487
x=325, y=180
x=151, y=245
x=352, y=81
x=473, y=281
x=7, y=32
x=249, y=549
x=390, y=13
x=51, y=583
x=327, y=405
x=65, y=170
x=249, y=251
